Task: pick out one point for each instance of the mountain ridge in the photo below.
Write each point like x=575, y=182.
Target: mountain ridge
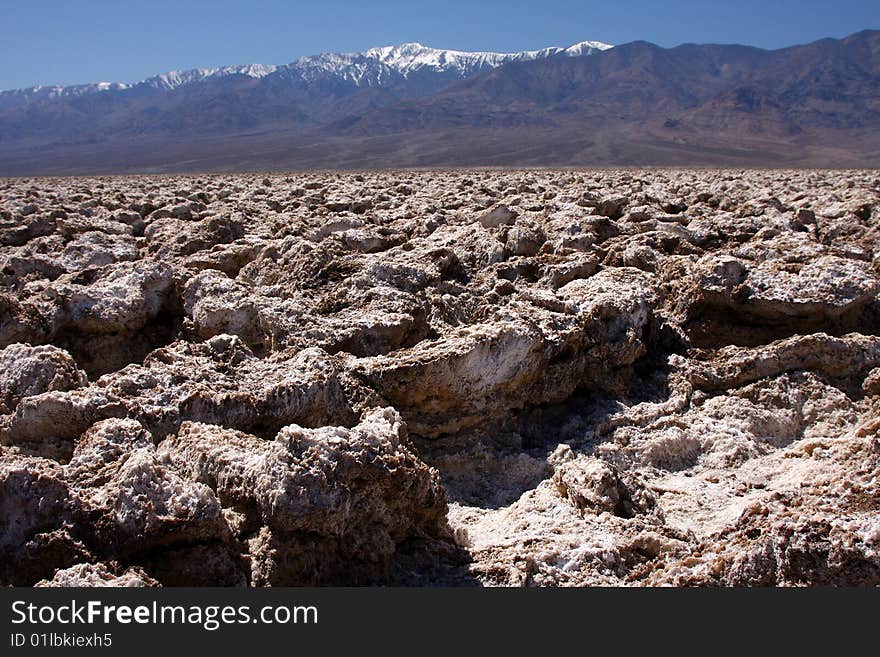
x=634, y=104
x=413, y=53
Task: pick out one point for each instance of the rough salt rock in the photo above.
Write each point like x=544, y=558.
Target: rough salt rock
x=20, y=322
x=29, y=226
x=612, y=206
x=837, y=357
x=339, y=225
x=572, y=267
x=221, y=382
x=40, y=519
x=525, y=239
x=871, y=384
x=623, y=296
x=218, y=304
x=568, y=230
x=174, y=237
x=641, y=257
x=228, y=258
x=138, y=502
x=784, y=294
x=827, y=285
x=704, y=339
x=48, y=424
x=500, y=215
x=444, y=385
x=122, y=299
x=594, y=486
x=98, y=575
x=26, y=371
x=332, y=502
x=478, y=373
x=97, y=249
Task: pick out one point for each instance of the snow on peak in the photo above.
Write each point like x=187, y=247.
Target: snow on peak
x=586, y=48
x=409, y=57
x=174, y=79
x=375, y=66
x=405, y=59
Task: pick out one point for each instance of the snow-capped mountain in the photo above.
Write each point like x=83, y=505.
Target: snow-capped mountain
x=373, y=67
x=162, y=82
x=410, y=58
x=412, y=105
x=312, y=89
x=174, y=79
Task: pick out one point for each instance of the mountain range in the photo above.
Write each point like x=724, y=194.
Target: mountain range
x=590, y=104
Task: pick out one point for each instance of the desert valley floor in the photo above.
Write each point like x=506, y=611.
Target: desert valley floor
x=633, y=377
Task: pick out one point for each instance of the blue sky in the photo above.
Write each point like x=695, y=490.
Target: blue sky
x=73, y=41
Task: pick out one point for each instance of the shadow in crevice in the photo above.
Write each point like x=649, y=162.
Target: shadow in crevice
x=493, y=468
x=714, y=327
x=430, y=562
x=100, y=354
x=580, y=420
x=486, y=475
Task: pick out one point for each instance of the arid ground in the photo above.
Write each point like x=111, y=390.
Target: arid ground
x=634, y=377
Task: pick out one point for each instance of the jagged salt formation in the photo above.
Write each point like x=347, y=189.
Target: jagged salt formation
x=470, y=377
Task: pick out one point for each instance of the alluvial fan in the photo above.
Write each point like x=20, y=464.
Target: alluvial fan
x=441, y=377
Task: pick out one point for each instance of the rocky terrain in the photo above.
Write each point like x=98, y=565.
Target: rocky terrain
x=634, y=377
